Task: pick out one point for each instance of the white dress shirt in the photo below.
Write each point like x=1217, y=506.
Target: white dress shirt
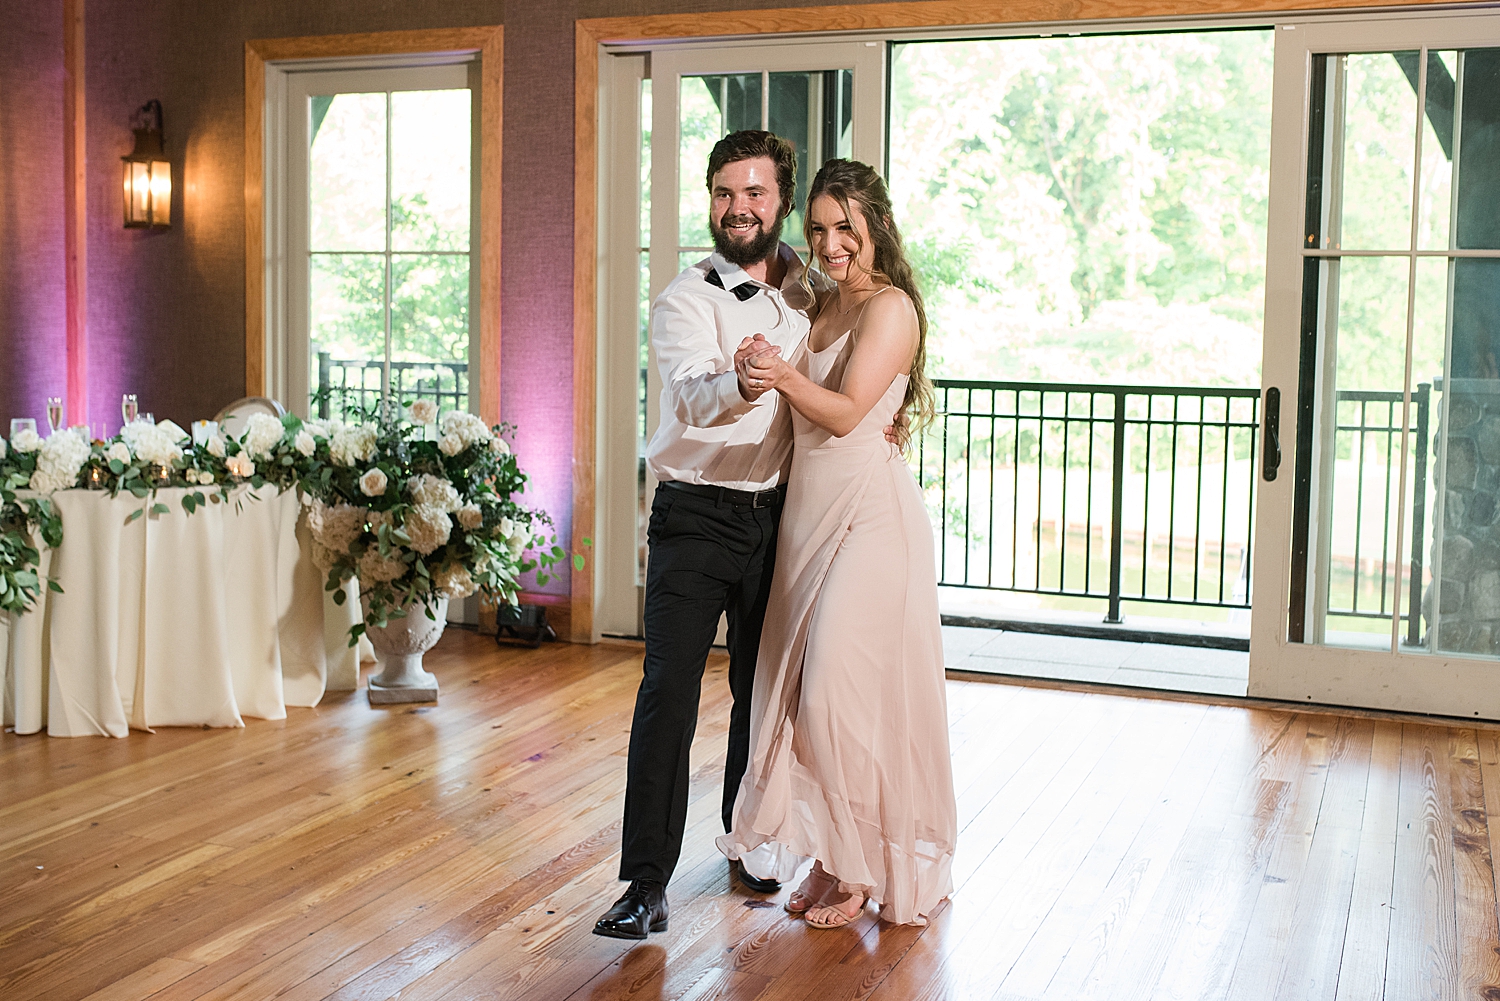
x=709, y=433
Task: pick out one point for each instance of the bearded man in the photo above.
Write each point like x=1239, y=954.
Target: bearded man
x=720, y=458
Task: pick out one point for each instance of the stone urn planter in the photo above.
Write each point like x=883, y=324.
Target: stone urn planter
x=399, y=646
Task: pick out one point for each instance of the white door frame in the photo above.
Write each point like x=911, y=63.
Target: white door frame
x=617, y=598
x=1443, y=684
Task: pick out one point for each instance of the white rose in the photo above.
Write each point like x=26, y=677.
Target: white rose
x=500, y=446
x=470, y=517
x=240, y=465
x=451, y=444
x=423, y=412
x=518, y=542
x=118, y=451
x=505, y=528
x=26, y=440
x=468, y=428
x=372, y=484
x=304, y=443
x=216, y=447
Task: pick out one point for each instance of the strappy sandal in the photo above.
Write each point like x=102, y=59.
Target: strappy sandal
x=801, y=901
x=836, y=916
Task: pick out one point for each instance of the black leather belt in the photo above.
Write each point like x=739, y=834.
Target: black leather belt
x=724, y=495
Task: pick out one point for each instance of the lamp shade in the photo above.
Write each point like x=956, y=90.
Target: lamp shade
x=147, y=174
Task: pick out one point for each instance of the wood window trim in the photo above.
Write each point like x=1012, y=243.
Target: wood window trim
x=591, y=33
x=488, y=42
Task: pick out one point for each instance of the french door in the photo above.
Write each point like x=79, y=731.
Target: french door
x=1377, y=576
x=659, y=126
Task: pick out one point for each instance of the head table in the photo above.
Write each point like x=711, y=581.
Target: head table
x=175, y=619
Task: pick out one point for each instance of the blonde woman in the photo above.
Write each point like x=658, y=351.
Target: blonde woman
x=849, y=742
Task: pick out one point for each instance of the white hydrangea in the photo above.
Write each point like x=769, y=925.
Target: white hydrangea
x=468, y=428
x=470, y=517
x=454, y=581
x=26, y=440
x=151, y=442
x=320, y=428
x=323, y=558
x=305, y=443
x=434, y=491
x=119, y=451
x=377, y=569
x=61, y=456
x=427, y=527
x=262, y=433
x=377, y=519
x=336, y=526
x=352, y=444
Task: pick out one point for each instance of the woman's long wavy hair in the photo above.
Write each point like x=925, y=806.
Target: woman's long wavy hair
x=851, y=183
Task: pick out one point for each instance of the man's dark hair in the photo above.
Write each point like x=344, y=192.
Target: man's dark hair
x=751, y=143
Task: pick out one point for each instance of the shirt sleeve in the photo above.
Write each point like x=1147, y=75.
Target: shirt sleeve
x=701, y=386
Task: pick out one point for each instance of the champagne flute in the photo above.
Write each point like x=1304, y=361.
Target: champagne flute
x=129, y=407
x=54, y=413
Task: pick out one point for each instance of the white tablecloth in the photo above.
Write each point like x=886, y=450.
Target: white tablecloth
x=174, y=619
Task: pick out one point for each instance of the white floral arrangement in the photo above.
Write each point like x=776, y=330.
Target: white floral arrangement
x=412, y=519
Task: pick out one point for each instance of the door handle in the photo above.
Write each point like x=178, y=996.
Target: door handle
x=1270, y=454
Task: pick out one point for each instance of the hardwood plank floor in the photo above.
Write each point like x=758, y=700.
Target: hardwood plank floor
x=1112, y=847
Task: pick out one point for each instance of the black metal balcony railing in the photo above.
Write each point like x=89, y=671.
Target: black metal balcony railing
x=1132, y=493
x=347, y=383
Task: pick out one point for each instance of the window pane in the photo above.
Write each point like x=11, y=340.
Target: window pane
x=1479, y=151
x=711, y=107
x=812, y=111
x=1087, y=209
x=347, y=328
x=429, y=307
x=347, y=165
x=1379, y=151
x=1360, y=517
x=430, y=157
x=1437, y=149
x=429, y=326
x=645, y=236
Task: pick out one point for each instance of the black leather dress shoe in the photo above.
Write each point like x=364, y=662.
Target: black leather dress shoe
x=754, y=883
x=642, y=909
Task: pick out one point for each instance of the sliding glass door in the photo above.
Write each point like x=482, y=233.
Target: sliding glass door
x=1378, y=574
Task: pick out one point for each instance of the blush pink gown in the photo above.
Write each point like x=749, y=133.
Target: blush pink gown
x=849, y=733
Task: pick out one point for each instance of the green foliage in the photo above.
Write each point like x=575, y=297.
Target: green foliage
x=1087, y=208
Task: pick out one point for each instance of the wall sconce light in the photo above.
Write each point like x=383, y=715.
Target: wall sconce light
x=148, y=175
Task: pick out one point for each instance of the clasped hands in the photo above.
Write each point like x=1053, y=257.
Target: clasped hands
x=760, y=368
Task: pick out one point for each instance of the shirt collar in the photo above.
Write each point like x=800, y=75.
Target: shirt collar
x=733, y=276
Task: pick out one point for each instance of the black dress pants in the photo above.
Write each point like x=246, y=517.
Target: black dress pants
x=707, y=556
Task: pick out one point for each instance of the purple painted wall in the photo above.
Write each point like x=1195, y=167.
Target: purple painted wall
x=32, y=305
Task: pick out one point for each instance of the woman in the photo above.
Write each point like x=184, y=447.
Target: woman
x=849, y=732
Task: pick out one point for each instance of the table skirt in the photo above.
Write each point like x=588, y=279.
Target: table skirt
x=175, y=619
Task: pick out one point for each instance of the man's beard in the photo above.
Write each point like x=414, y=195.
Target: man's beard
x=745, y=254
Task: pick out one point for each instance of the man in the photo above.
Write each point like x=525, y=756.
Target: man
x=720, y=456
